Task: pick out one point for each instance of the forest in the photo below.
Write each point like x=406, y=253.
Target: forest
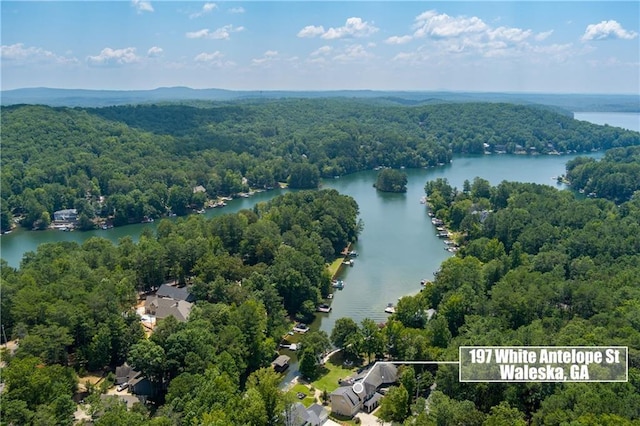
x=72, y=308
x=125, y=164
x=616, y=177
x=538, y=267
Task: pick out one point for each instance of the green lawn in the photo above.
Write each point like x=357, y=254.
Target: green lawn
x=308, y=400
x=334, y=267
x=331, y=372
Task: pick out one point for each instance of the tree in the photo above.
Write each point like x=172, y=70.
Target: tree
x=342, y=330
x=390, y=180
x=307, y=366
x=395, y=405
x=148, y=358
x=304, y=176
x=505, y=415
x=372, y=342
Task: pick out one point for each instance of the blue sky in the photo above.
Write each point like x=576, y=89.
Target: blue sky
x=505, y=46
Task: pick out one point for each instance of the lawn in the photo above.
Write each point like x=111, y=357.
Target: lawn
x=331, y=372
x=334, y=267
x=308, y=399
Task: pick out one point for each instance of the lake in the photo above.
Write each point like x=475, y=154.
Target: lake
x=626, y=120
x=398, y=246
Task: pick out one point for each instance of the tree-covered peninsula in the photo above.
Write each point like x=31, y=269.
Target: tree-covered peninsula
x=126, y=164
x=73, y=309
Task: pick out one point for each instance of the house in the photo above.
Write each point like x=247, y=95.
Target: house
x=138, y=384
x=130, y=400
x=141, y=385
x=122, y=373
x=281, y=363
x=175, y=292
x=346, y=401
x=315, y=415
x=163, y=307
x=66, y=215
x=199, y=188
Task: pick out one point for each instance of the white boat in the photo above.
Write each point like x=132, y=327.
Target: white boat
x=301, y=328
x=390, y=309
x=324, y=308
x=337, y=284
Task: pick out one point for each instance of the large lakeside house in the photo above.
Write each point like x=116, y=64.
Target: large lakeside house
x=345, y=401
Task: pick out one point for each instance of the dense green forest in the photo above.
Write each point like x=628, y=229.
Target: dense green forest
x=616, y=177
x=391, y=180
x=127, y=163
x=537, y=267
x=71, y=306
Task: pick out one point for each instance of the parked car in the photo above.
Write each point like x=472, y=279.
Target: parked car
x=122, y=386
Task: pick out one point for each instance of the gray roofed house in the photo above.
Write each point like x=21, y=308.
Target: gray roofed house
x=175, y=292
x=345, y=401
x=66, y=215
x=281, y=363
x=163, y=308
x=122, y=373
x=315, y=415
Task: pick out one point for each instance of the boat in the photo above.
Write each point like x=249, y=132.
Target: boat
x=301, y=328
x=330, y=296
x=337, y=284
x=423, y=200
x=425, y=282
x=348, y=262
x=324, y=308
x=390, y=309
x=353, y=253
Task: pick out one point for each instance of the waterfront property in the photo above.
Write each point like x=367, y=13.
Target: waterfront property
x=345, y=401
x=66, y=215
x=281, y=363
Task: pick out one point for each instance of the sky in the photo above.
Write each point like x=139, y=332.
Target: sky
x=498, y=46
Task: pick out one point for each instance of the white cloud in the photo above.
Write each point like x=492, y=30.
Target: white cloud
x=207, y=8
x=114, y=57
x=324, y=50
x=509, y=34
x=222, y=33
x=208, y=57
x=543, y=36
x=154, y=52
x=607, y=30
x=268, y=56
x=19, y=54
x=142, y=6
x=354, y=27
x=433, y=24
x=399, y=39
x=237, y=10
x=215, y=59
x=352, y=53
x=311, y=31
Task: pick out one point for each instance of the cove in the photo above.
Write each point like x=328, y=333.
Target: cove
x=397, y=248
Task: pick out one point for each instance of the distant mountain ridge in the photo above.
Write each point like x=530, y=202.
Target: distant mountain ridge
x=100, y=98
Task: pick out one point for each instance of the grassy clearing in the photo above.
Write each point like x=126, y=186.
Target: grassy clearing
x=308, y=399
x=331, y=372
x=334, y=267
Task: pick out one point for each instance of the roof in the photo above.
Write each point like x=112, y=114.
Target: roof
x=66, y=211
x=174, y=292
x=281, y=361
x=199, y=188
x=373, y=400
x=348, y=393
x=381, y=373
x=318, y=411
x=163, y=308
x=299, y=415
